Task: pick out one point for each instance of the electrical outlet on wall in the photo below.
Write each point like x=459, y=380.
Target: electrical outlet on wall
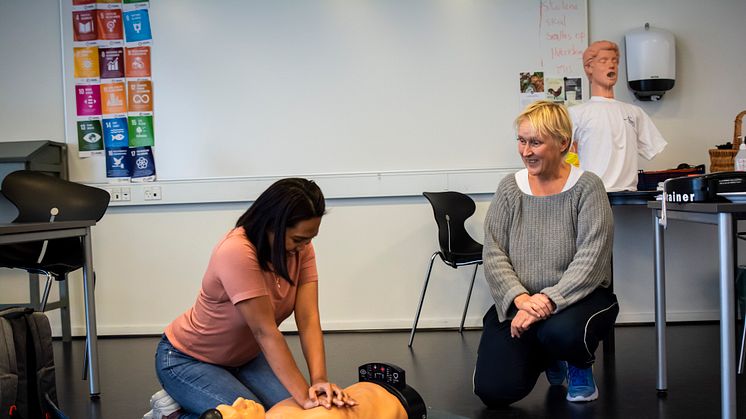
x=125, y=196
x=152, y=193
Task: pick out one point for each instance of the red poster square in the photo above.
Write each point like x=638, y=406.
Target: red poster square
x=109, y=24
x=84, y=25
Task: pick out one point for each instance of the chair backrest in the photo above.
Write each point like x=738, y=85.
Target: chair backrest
x=451, y=210
x=36, y=194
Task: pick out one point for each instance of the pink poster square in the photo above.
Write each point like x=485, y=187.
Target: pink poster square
x=88, y=99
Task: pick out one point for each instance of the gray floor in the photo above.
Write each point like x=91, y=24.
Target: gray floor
x=440, y=367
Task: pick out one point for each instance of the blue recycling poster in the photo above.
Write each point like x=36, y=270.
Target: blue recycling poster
x=118, y=163
x=137, y=25
x=143, y=164
x=115, y=133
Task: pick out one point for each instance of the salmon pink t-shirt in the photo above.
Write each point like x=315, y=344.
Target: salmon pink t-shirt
x=214, y=330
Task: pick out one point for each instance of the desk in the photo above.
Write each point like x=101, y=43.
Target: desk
x=27, y=232
x=723, y=215
x=631, y=197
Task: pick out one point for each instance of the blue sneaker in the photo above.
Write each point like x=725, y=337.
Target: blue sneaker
x=581, y=387
x=556, y=373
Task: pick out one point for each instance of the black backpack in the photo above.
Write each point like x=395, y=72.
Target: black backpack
x=27, y=381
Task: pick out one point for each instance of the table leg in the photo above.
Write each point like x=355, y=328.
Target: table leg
x=660, y=305
x=90, y=316
x=34, y=291
x=727, y=317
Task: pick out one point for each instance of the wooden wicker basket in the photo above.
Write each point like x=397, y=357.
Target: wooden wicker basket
x=723, y=160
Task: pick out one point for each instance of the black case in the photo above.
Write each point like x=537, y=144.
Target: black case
x=393, y=379
x=704, y=188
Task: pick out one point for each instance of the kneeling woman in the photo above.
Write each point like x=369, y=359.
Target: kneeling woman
x=547, y=252
x=228, y=344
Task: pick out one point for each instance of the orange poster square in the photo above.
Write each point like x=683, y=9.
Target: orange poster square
x=113, y=98
x=86, y=62
x=109, y=24
x=137, y=62
x=140, y=96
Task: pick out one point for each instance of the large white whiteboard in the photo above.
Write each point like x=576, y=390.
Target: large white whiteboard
x=274, y=88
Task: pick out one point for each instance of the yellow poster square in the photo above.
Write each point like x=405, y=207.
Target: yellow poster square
x=86, y=62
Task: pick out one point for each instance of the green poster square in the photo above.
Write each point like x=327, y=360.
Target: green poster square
x=141, y=131
x=90, y=136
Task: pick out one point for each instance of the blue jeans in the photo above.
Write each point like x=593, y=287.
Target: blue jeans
x=198, y=386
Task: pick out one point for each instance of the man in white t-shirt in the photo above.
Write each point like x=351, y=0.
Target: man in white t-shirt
x=610, y=134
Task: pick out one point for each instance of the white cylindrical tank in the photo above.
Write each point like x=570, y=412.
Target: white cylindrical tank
x=651, y=62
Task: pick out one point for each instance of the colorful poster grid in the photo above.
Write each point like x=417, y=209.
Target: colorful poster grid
x=113, y=86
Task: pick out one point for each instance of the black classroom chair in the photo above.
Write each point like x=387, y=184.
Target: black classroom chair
x=43, y=198
x=457, y=247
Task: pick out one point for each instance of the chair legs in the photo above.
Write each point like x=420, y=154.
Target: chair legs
x=65, y=309
x=422, y=298
x=45, y=296
x=468, y=297
x=742, y=356
x=41, y=304
x=609, y=345
x=33, y=289
x=740, y=291
x=85, y=358
x=609, y=340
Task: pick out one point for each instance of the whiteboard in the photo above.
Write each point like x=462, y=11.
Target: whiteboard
x=274, y=88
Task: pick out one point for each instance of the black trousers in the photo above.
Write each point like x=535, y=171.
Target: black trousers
x=507, y=368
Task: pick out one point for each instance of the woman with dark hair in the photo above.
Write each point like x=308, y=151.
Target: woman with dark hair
x=228, y=345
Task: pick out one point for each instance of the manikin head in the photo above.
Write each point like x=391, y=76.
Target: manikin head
x=601, y=65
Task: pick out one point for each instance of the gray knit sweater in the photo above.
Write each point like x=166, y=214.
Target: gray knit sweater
x=559, y=245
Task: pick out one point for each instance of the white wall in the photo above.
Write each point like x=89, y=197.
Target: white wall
x=373, y=252
x=355, y=79
x=710, y=90
x=31, y=105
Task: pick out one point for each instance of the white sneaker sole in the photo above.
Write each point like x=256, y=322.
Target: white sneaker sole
x=590, y=398
x=163, y=405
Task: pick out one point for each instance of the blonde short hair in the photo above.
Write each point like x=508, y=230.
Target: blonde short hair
x=549, y=119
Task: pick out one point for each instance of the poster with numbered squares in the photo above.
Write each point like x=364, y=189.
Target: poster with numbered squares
x=112, y=41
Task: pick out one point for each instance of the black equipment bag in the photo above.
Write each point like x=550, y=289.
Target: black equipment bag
x=27, y=380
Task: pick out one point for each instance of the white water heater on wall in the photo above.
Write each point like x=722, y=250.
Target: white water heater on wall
x=651, y=62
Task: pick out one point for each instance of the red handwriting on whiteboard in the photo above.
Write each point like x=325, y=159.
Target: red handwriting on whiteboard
x=558, y=5
x=566, y=52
